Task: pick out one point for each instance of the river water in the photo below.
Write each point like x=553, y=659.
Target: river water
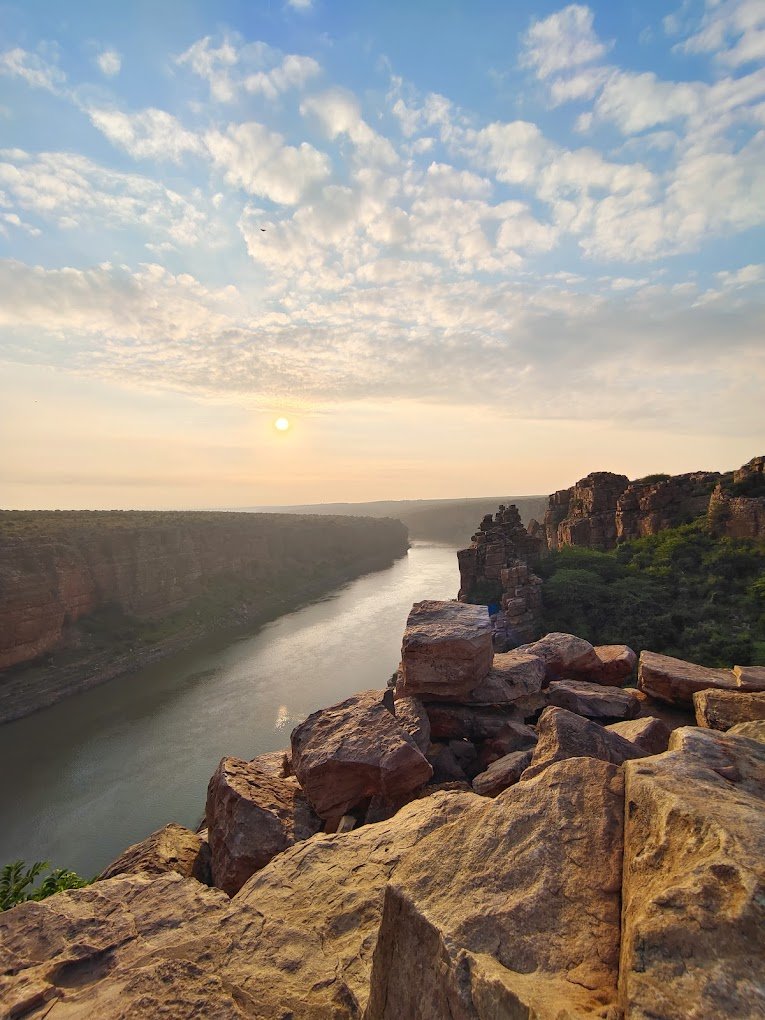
x=85, y=778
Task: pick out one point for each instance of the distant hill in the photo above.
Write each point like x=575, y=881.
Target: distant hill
x=437, y=520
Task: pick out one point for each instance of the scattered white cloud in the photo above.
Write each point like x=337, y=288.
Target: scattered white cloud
x=148, y=134
x=292, y=72
x=561, y=41
x=300, y=5
x=109, y=62
x=213, y=63
x=33, y=69
x=339, y=113
x=733, y=31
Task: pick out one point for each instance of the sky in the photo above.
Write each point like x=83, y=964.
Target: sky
x=463, y=247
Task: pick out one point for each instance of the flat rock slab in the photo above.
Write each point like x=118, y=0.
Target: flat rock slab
x=719, y=710
x=562, y=735
x=502, y=773
x=753, y=730
x=447, y=649
x=616, y=663
x=693, y=919
x=275, y=763
x=513, y=910
x=171, y=848
x=563, y=654
x=252, y=816
x=347, y=754
x=607, y=704
x=676, y=681
x=649, y=734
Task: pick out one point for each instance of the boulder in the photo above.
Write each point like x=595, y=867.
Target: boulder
x=676, y=681
x=502, y=773
x=296, y=941
x=347, y=754
x=518, y=673
x=252, y=816
x=447, y=649
x=467, y=757
x=719, y=710
x=649, y=734
x=563, y=655
x=465, y=722
x=171, y=848
x=411, y=716
x=693, y=917
x=753, y=730
x=562, y=734
x=513, y=736
x=607, y=704
x=274, y=763
x=513, y=910
x=446, y=768
x=616, y=663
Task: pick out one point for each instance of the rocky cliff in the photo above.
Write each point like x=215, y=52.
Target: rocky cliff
x=502, y=836
x=604, y=509
x=82, y=588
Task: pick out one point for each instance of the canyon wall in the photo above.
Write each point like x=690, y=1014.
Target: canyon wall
x=71, y=582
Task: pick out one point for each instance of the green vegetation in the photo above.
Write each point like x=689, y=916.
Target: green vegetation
x=752, y=486
x=17, y=882
x=682, y=592
x=652, y=479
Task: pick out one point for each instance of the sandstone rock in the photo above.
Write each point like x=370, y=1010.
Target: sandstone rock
x=411, y=715
x=565, y=735
x=274, y=763
x=607, y=704
x=447, y=649
x=502, y=773
x=351, y=752
x=522, y=673
x=464, y=722
x=693, y=919
x=513, y=736
x=512, y=910
x=564, y=655
x=753, y=730
x=719, y=710
x=616, y=664
x=676, y=681
x=649, y=734
x=252, y=817
x=171, y=848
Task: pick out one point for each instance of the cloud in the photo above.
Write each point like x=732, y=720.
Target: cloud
x=292, y=72
x=258, y=161
x=214, y=65
x=300, y=5
x=733, y=31
x=149, y=134
x=19, y=63
x=561, y=41
x=110, y=63
x=339, y=113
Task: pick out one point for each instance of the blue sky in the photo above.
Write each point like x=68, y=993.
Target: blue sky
x=465, y=248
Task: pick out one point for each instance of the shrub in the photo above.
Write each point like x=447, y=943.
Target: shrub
x=17, y=882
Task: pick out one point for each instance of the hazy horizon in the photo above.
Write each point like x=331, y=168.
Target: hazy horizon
x=458, y=248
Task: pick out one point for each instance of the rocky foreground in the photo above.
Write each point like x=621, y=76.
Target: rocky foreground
x=499, y=835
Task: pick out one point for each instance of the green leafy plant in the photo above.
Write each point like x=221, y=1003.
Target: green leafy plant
x=17, y=882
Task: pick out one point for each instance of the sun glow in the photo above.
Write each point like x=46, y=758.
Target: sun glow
x=282, y=424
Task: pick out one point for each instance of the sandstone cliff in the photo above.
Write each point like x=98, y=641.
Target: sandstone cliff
x=84, y=587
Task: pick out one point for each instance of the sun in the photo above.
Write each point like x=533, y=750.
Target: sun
x=282, y=424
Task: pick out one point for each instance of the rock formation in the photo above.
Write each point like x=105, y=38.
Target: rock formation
x=88, y=584
x=589, y=873
x=737, y=507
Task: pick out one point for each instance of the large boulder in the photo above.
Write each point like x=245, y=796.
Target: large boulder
x=252, y=816
x=447, y=649
x=606, y=704
x=513, y=910
x=719, y=710
x=753, y=730
x=562, y=734
x=513, y=736
x=412, y=716
x=564, y=655
x=502, y=773
x=649, y=734
x=693, y=918
x=171, y=848
x=467, y=722
x=676, y=681
x=347, y=754
x=616, y=663
x=275, y=763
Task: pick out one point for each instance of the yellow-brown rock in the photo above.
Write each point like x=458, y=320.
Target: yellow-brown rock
x=564, y=655
x=693, y=921
x=651, y=735
x=171, y=848
x=593, y=701
x=719, y=710
x=447, y=649
x=562, y=734
x=676, y=681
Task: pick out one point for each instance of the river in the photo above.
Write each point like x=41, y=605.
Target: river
x=87, y=777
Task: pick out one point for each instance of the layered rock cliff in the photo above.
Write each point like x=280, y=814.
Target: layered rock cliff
x=75, y=584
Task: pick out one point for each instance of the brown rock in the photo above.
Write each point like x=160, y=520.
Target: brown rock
x=752, y=730
x=616, y=664
x=520, y=672
x=676, y=681
x=464, y=722
x=411, y=715
x=565, y=735
x=252, y=817
x=171, y=848
x=649, y=734
x=446, y=768
x=607, y=704
x=511, y=911
x=719, y=710
x=274, y=763
x=502, y=773
x=693, y=919
x=513, y=736
x=564, y=655
x=447, y=649
x=351, y=752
